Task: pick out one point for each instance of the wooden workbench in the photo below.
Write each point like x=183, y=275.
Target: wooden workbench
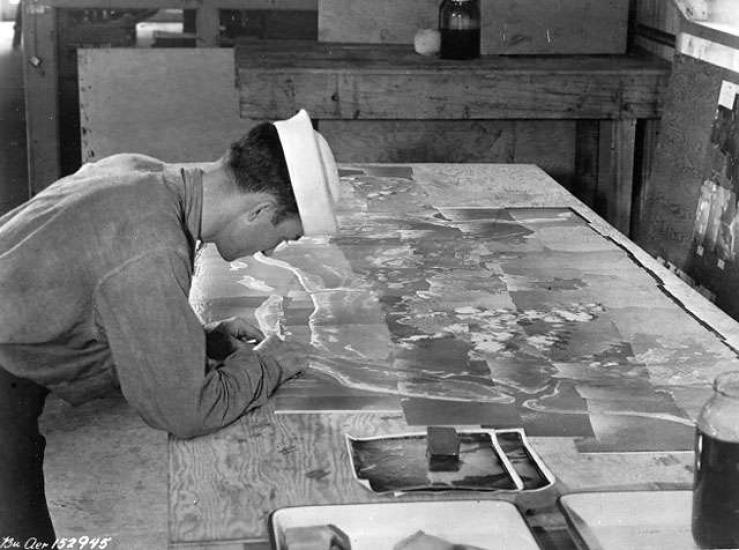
x=222, y=487
x=576, y=116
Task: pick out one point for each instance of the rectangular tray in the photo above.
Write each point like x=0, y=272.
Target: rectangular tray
x=519, y=464
x=487, y=524
x=648, y=520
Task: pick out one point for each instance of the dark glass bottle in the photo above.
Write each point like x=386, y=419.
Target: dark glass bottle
x=459, y=25
x=716, y=486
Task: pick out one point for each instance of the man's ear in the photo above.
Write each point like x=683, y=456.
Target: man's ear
x=265, y=207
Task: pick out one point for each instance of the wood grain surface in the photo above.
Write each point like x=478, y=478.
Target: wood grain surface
x=685, y=130
x=41, y=81
x=306, y=5
x=379, y=21
x=224, y=486
x=508, y=26
x=166, y=123
x=391, y=82
x=554, y=26
x=549, y=144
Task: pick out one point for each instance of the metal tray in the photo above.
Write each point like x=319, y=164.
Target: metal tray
x=487, y=524
x=648, y=520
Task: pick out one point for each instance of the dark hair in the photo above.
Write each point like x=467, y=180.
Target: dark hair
x=257, y=163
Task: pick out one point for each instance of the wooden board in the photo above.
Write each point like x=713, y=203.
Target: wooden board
x=675, y=185
x=391, y=82
x=549, y=144
x=377, y=21
x=306, y=5
x=117, y=487
x=173, y=104
x=223, y=486
x=508, y=26
x=554, y=26
x=41, y=82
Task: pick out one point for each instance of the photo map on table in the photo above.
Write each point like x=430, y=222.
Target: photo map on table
x=431, y=303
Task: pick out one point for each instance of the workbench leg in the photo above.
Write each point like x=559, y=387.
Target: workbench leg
x=647, y=133
x=207, y=23
x=41, y=83
x=616, y=171
x=585, y=186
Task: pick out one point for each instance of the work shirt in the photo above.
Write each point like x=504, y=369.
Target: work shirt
x=95, y=273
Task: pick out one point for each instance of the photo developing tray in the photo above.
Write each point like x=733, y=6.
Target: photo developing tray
x=479, y=524
x=489, y=460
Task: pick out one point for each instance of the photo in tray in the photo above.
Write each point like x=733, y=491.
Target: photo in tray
x=400, y=463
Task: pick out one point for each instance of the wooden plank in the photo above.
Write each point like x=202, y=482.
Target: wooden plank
x=508, y=26
x=207, y=26
x=272, y=466
x=420, y=140
x=237, y=25
x=355, y=94
x=379, y=21
x=674, y=186
x=554, y=26
x=665, y=52
x=689, y=171
x=294, y=53
x=647, y=136
x=305, y=5
x=40, y=76
x=585, y=185
x=616, y=173
x=13, y=160
x=659, y=14
x=186, y=107
x=118, y=487
x=549, y=144
x=386, y=82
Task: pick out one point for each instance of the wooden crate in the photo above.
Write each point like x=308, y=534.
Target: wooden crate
x=508, y=26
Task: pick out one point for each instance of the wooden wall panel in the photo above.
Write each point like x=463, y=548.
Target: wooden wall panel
x=174, y=104
x=548, y=143
x=376, y=21
x=659, y=14
x=41, y=83
x=554, y=26
x=657, y=23
x=508, y=26
x=674, y=187
x=372, y=91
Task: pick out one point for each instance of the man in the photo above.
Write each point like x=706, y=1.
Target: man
x=95, y=273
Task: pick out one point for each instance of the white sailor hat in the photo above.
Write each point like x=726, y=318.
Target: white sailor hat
x=313, y=173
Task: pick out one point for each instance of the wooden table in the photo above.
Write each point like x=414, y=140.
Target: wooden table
x=222, y=487
x=575, y=115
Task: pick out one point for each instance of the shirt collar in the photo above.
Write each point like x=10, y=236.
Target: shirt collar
x=193, y=200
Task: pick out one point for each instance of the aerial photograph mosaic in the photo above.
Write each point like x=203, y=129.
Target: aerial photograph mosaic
x=475, y=315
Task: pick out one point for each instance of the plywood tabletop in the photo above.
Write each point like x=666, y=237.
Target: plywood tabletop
x=224, y=486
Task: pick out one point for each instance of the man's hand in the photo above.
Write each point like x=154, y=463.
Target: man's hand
x=293, y=357
x=229, y=335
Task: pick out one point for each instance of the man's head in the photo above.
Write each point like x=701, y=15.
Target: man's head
x=264, y=190
x=257, y=164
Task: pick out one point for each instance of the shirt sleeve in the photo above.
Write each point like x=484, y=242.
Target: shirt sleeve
x=158, y=348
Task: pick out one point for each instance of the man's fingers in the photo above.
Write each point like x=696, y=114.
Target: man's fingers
x=251, y=332
x=244, y=330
